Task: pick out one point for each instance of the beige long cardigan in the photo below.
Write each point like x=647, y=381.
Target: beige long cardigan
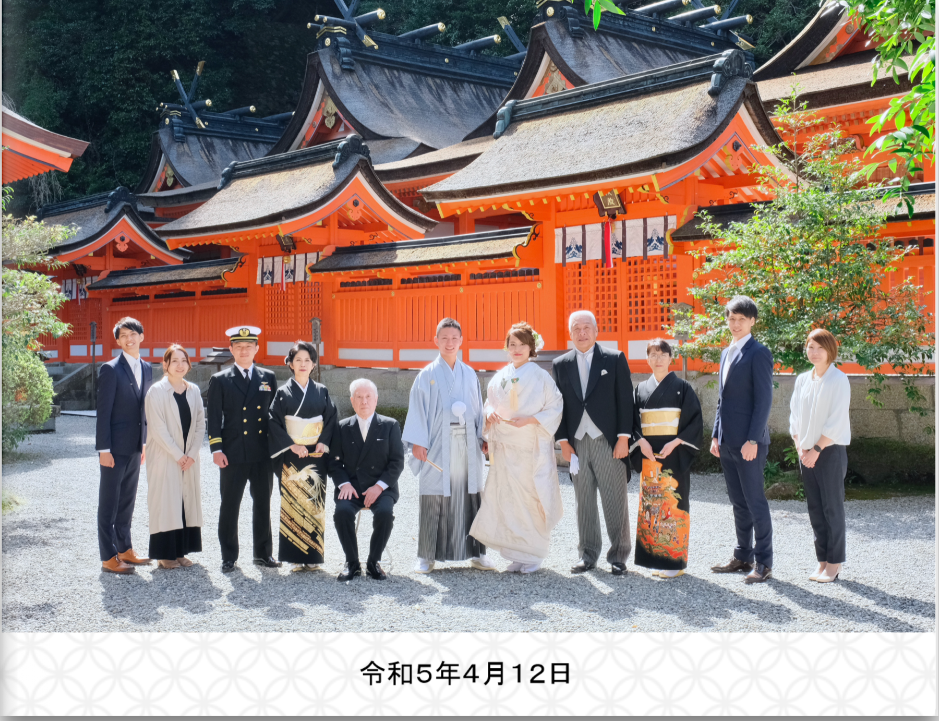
x=168, y=488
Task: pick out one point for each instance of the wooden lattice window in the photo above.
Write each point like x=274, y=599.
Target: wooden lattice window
x=311, y=300
x=651, y=287
x=280, y=308
x=605, y=304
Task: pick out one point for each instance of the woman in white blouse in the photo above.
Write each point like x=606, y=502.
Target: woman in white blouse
x=821, y=428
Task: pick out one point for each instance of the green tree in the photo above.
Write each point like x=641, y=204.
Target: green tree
x=30, y=301
x=906, y=32
x=812, y=258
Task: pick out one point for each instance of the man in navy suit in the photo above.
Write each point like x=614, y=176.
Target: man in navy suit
x=741, y=439
x=121, y=439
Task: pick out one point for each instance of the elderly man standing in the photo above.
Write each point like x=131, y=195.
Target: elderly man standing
x=365, y=462
x=594, y=437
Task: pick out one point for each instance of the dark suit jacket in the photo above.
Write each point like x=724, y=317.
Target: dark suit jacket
x=362, y=463
x=609, y=396
x=121, y=419
x=238, y=419
x=744, y=401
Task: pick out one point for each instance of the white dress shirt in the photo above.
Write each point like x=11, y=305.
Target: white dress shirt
x=819, y=407
x=364, y=425
x=733, y=350
x=587, y=426
x=135, y=368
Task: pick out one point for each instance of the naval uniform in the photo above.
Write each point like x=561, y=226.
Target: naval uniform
x=238, y=416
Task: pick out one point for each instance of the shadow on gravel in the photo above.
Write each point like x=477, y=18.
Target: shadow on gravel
x=23, y=534
x=693, y=600
x=283, y=597
x=142, y=600
x=829, y=606
x=888, y=600
x=25, y=612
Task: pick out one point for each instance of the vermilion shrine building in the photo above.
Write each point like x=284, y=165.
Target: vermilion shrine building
x=414, y=181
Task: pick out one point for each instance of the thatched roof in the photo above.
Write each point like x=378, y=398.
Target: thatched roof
x=437, y=162
x=208, y=270
x=805, y=45
x=491, y=244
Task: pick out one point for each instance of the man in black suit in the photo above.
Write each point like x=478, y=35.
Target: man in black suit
x=240, y=400
x=741, y=439
x=121, y=439
x=594, y=437
x=365, y=464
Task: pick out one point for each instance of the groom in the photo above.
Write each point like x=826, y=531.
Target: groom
x=596, y=425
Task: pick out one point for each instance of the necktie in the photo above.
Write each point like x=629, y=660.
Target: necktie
x=584, y=369
x=363, y=429
x=731, y=354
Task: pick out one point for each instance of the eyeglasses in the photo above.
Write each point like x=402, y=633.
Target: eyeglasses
x=658, y=356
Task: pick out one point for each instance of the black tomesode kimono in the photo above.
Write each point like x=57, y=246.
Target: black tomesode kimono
x=663, y=412
x=302, y=480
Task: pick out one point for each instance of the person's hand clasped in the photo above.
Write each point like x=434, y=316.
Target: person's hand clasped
x=646, y=449
x=668, y=448
x=621, y=449
x=185, y=463
x=715, y=448
x=748, y=451
x=220, y=459
x=346, y=491
x=372, y=494
x=419, y=452
x=493, y=418
x=320, y=449
x=106, y=459
x=299, y=451
x=522, y=422
x=809, y=458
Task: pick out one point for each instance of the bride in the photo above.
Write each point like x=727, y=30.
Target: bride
x=521, y=501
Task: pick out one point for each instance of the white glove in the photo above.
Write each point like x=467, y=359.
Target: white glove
x=575, y=464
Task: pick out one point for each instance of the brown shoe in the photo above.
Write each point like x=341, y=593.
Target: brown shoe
x=168, y=564
x=114, y=565
x=759, y=574
x=130, y=557
x=735, y=565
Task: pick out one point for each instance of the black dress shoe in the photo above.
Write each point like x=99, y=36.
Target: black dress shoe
x=619, y=569
x=582, y=567
x=228, y=566
x=735, y=565
x=374, y=571
x=269, y=562
x=759, y=574
x=349, y=571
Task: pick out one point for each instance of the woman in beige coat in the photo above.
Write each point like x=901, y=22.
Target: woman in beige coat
x=176, y=426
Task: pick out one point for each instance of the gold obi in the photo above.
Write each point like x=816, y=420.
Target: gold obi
x=660, y=421
x=304, y=431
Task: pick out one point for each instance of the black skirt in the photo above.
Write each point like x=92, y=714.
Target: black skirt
x=170, y=545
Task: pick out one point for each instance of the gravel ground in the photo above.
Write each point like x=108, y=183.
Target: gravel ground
x=52, y=579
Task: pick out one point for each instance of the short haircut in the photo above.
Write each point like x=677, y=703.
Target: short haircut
x=449, y=323
x=296, y=348
x=826, y=340
x=168, y=354
x=741, y=305
x=659, y=344
x=129, y=323
x=580, y=314
x=524, y=333
x=358, y=383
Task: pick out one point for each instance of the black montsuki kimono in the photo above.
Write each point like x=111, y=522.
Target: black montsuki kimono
x=302, y=480
x=664, y=521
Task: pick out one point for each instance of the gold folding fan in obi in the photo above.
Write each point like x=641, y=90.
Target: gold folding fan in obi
x=660, y=421
x=304, y=431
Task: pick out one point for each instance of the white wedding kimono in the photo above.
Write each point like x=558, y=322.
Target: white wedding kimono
x=522, y=499
x=449, y=498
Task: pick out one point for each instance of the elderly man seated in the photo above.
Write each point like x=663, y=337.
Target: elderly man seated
x=364, y=463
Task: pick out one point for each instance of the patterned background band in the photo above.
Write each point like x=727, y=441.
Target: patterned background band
x=635, y=674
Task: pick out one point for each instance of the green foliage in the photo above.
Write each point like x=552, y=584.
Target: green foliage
x=30, y=301
x=595, y=9
x=399, y=414
x=907, y=30
x=812, y=258
x=10, y=502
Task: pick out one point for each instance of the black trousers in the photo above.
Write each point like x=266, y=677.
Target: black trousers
x=753, y=523
x=824, y=495
x=382, y=522
x=117, y=494
x=260, y=479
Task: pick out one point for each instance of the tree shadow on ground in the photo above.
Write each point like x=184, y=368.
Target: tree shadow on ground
x=23, y=534
x=141, y=600
x=838, y=608
x=888, y=600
